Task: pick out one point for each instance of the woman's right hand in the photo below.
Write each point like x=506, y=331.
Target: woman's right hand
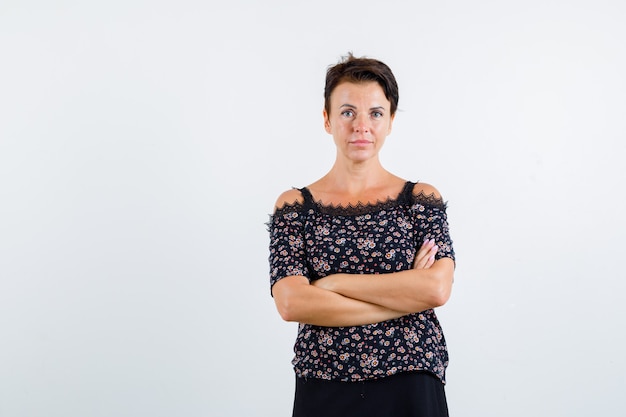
x=425, y=256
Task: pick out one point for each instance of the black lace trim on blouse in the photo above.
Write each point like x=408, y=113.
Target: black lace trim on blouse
x=406, y=196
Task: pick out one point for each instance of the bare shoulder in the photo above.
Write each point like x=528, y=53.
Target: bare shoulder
x=426, y=190
x=289, y=198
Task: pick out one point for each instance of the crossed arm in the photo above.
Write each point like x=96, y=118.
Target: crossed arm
x=354, y=300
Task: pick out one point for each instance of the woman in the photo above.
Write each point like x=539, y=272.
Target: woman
x=360, y=258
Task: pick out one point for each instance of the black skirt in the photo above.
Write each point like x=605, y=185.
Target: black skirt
x=408, y=394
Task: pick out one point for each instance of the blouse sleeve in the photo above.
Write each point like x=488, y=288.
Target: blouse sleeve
x=432, y=223
x=287, y=249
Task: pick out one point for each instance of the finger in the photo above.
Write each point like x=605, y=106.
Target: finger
x=431, y=256
x=426, y=247
x=421, y=258
x=421, y=255
x=421, y=263
x=430, y=260
x=427, y=257
x=422, y=252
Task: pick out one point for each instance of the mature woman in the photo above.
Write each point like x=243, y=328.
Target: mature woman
x=360, y=258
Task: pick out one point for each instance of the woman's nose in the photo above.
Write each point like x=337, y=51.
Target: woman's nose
x=361, y=125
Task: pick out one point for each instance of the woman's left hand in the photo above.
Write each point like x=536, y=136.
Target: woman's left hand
x=425, y=257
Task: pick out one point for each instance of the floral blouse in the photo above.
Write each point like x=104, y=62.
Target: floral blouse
x=314, y=240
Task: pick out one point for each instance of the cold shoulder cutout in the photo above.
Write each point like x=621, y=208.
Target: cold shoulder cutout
x=426, y=189
x=289, y=198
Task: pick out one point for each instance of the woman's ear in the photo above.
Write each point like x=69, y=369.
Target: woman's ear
x=326, y=121
x=391, y=123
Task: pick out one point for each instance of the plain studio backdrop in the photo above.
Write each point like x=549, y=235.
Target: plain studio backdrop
x=143, y=145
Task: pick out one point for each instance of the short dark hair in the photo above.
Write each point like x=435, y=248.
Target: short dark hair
x=358, y=70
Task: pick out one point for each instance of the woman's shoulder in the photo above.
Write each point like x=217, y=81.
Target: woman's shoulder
x=289, y=198
x=427, y=190
x=425, y=194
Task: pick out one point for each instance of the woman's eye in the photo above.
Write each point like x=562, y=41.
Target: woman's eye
x=347, y=113
x=377, y=114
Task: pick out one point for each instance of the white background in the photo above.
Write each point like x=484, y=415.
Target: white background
x=143, y=144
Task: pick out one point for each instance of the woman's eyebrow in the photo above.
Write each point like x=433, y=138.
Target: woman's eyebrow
x=354, y=107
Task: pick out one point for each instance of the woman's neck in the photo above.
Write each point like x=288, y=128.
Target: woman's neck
x=350, y=181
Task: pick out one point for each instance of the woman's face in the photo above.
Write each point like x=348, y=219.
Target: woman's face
x=359, y=119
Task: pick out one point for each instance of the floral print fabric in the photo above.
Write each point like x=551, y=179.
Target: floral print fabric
x=314, y=241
